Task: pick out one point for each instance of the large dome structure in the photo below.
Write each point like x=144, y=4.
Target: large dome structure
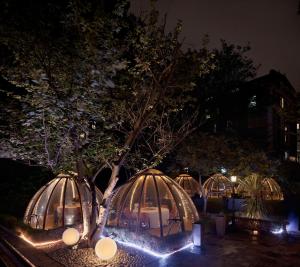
x=189, y=184
x=151, y=203
x=218, y=186
x=60, y=203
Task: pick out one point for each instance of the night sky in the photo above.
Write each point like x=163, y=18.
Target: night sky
x=272, y=27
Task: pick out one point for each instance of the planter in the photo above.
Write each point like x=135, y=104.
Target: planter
x=220, y=225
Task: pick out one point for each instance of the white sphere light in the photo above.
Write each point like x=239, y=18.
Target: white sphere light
x=106, y=248
x=71, y=236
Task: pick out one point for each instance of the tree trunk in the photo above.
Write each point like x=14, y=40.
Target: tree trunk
x=205, y=204
x=94, y=213
x=104, y=208
x=84, y=204
x=203, y=193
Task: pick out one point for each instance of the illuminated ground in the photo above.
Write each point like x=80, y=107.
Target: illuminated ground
x=233, y=250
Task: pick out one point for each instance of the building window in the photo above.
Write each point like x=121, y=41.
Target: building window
x=282, y=102
x=298, y=126
x=252, y=102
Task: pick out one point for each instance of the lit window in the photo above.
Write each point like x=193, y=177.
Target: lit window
x=298, y=126
x=285, y=138
x=252, y=102
x=286, y=154
x=281, y=102
x=285, y=129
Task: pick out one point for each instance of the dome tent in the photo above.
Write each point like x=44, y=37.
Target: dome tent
x=218, y=186
x=269, y=188
x=188, y=183
x=152, y=204
x=59, y=203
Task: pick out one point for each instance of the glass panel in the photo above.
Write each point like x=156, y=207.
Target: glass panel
x=28, y=213
x=171, y=221
x=116, y=205
x=38, y=212
x=54, y=214
x=149, y=212
x=186, y=208
x=72, y=210
x=130, y=210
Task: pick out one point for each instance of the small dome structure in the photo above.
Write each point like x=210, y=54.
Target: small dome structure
x=272, y=190
x=189, y=184
x=218, y=186
x=153, y=204
x=268, y=188
x=60, y=203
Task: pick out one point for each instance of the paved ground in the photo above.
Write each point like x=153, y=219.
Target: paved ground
x=25, y=251
x=234, y=250
x=238, y=250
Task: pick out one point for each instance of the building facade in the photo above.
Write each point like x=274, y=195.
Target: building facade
x=264, y=111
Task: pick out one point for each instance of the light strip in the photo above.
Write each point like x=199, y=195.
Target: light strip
x=127, y=244
x=154, y=253
x=35, y=244
x=278, y=231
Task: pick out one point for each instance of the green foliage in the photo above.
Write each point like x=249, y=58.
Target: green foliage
x=232, y=67
x=255, y=206
x=99, y=85
x=208, y=153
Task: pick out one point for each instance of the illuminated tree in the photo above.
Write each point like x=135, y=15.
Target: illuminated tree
x=103, y=90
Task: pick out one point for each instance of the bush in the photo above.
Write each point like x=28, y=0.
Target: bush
x=8, y=221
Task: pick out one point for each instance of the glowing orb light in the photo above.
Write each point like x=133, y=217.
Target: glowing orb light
x=106, y=248
x=255, y=232
x=71, y=236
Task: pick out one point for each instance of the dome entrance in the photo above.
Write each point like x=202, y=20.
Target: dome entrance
x=151, y=203
x=59, y=203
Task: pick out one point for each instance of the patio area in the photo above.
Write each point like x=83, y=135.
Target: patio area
x=235, y=249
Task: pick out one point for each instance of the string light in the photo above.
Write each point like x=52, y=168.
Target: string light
x=126, y=244
x=39, y=244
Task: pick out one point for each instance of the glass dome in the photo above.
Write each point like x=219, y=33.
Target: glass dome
x=270, y=189
x=189, y=184
x=59, y=203
x=218, y=186
x=153, y=203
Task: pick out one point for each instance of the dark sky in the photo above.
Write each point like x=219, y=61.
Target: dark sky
x=272, y=27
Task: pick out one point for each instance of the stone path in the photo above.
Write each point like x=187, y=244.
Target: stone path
x=30, y=254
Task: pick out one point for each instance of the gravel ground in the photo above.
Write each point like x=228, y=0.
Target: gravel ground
x=85, y=257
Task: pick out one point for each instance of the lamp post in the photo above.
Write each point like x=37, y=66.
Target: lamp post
x=233, y=180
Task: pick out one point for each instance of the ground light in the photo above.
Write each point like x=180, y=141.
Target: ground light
x=154, y=253
x=126, y=244
x=39, y=244
x=277, y=231
x=106, y=248
x=70, y=236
